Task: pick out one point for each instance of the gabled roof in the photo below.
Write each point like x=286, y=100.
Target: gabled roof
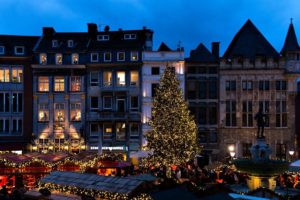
x=163, y=47
x=11, y=41
x=249, y=43
x=291, y=42
x=201, y=54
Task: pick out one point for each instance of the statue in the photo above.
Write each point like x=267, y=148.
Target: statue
x=260, y=121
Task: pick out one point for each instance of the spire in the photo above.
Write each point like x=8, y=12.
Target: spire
x=291, y=42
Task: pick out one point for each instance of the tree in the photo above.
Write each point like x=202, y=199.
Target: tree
x=173, y=138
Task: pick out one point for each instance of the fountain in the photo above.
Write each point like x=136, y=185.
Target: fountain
x=260, y=168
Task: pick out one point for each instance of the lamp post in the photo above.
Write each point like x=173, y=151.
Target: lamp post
x=291, y=152
x=231, y=151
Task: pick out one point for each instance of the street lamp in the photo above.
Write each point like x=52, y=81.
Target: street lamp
x=232, y=154
x=231, y=151
x=291, y=152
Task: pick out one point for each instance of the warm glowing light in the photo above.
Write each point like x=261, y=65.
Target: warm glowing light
x=34, y=148
x=291, y=152
x=231, y=148
x=232, y=154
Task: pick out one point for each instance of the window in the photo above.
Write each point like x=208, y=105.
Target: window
x=129, y=36
x=107, y=78
x=94, y=130
x=94, y=57
x=134, y=56
x=281, y=85
x=212, y=112
x=59, y=112
x=247, y=118
x=120, y=131
x=102, y=37
x=43, y=84
x=213, y=137
x=54, y=43
x=43, y=58
x=58, y=58
x=246, y=149
x=281, y=151
x=107, y=56
x=4, y=102
x=155, y=70
x=4, y=125
x=17, y=75
x=107, y=131
x=134, y=130
x=75, y=111
x=134, y=78
x=70, y=43
x=202, y=136
x=4, y=74
x=212, y=70
x=265, y=105
x=19, y=50
x=94, y=79
x=230, y=85
x=2, y=50
x=192, y=70
x=202, y=114
x=43, y=113
x=247, y=85
x=230, y=113
x=59, y=84
x=121, y=79
x=264, y=85
x=154, y=88
x=121, y=56
x=134, y=103
x=121, y=105
x=94, y=103
x=212, y=89
x=75, y=58
x=281, y=114
x=75, y=83
x=191, y=87
x=107, y=102
x=202, y=90
x=17, y=126
x=17, y=102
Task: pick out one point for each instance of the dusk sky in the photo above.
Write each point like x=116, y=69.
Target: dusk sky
x=190, y=21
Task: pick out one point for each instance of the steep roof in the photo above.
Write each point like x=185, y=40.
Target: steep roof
x=164, y=47
x=11, y=41
x=248, y=43
x=201, y=54
x=291, y=42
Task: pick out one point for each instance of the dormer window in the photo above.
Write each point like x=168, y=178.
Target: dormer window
x=43, y=58
x=19, y=50
x=94, y=57
x=134, y=56
x=129, y=36
x=75, y=58
x=2, y=50
x=102, y=37
x=121, y=56
x=70, y=43
x=54, y=43
x=58, y=58
x=107, y=56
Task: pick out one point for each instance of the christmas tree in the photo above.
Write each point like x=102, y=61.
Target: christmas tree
x=173, y=138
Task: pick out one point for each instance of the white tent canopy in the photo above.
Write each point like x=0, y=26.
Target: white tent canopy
x=295, y=163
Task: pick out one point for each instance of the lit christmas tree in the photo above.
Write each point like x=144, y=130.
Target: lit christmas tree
x=173, y=138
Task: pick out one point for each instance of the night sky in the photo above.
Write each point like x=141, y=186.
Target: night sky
x=190, y=21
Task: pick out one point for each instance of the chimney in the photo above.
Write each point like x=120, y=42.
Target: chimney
x=106, y=28
x=48, y=31
x=215, y=49
x=92, y=30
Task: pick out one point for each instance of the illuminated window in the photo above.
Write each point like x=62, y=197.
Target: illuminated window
x=107, y=56
x=134, y=56
x=134, y=130
x=19, y=50
x=75, y=58
x=43, y=84
x=17, y=102
x=17, y=125
x=43, y=113
x=120, y=131
x=4, y=75
x=70, y=43
x=59, y=112
x=94, y=57
x=58, y=58
x=43, y=58
x=107, y=131
x=75, y=112
x=17, y=75
x=59, y=84
x=2, y=50
x=94, y=78
x=75, y=83
x=134, y=78
x=121, y=56
x=107, y=78
x=121, y=80
x=54, y=43
x=107, y=102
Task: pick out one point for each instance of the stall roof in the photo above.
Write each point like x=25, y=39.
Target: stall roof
x=119, y=185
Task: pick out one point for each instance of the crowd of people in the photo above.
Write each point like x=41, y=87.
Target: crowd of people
x=288, y=180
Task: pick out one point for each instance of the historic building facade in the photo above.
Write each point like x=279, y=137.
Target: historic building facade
x=154, y=64
x=202, y=95
x=15, y=92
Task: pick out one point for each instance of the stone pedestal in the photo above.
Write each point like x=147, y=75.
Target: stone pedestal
x=261, y=150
